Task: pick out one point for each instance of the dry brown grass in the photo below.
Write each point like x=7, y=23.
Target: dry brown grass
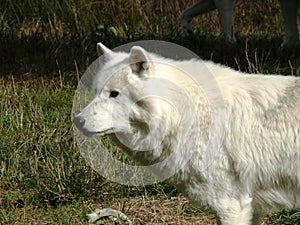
x=159, y=210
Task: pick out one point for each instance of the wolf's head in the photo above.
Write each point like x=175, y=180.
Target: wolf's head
x=124, y=100
x=153, y=106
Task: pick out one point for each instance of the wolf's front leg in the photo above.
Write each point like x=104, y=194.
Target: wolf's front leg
x=234, y=211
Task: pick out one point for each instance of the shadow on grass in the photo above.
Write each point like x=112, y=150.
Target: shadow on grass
x=35, y=57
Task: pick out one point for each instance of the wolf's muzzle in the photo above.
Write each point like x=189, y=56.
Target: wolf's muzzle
x=79, y=123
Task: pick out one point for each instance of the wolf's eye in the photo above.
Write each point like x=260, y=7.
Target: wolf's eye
x=113, y=94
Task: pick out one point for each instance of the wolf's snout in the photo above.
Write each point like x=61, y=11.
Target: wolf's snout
x=79, y=122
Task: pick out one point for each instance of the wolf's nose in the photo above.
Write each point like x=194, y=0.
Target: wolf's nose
x=79, y=122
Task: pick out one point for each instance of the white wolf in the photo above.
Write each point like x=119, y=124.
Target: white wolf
x=257, y=167
x=225, y=8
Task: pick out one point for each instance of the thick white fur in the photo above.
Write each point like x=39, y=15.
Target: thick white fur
x=257, y=168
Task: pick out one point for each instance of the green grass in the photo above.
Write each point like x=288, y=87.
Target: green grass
x=46, y=45
x=42, y=173
x=130, y=19
x=41, y=36
x=43, y=177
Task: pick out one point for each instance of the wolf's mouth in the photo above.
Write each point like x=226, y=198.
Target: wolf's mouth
x=79, y=123
x=96, y=133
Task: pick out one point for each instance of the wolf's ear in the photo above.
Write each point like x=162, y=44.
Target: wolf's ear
x=103, y=50
x=140, y=61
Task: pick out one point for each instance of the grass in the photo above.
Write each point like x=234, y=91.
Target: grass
x=44, y=179
x=45, y=46
x=71, y=19
x=41, y=169
x=39, y=36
